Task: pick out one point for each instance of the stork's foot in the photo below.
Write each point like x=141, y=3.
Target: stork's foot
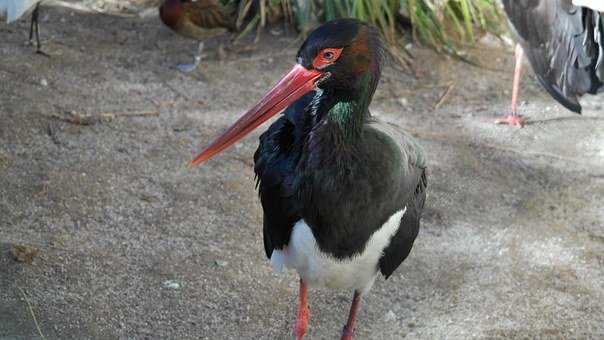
x=347, y=334
x=42, y=53
x=38, y=46
x=512, y=120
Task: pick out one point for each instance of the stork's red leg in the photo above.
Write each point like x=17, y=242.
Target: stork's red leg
x=514, y=119
x=348, y=331
x=517, y=74
x=303, y=312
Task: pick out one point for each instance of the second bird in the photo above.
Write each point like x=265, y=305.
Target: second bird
x=565, y=46
x=199, y=20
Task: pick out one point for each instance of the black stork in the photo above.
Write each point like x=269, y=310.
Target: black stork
x=564, y=44
x=199, y=20
x=342, y=193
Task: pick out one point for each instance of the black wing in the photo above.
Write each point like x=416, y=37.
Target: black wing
x=275, y=161
x=564, y=45
x=413, y=183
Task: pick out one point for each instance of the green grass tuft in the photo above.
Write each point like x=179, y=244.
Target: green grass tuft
x=442, y=24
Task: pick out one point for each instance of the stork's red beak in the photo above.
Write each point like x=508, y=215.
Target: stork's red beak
x=290, y=88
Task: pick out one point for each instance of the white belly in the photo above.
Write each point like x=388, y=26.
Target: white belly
x=321, y=269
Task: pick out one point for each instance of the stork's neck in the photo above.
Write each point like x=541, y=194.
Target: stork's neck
x=347, y=118
x=347, y=112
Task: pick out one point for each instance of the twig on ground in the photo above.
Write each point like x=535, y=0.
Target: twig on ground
x=31, y=311
x=443, y=98
x=50, y=130
x=89, y=119
x=177, y=92
x=24, y=253
x=111, y=115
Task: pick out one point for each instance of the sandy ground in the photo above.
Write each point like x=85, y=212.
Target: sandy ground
x=132, y=245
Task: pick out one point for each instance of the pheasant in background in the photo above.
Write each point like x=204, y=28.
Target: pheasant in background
x=199, y=20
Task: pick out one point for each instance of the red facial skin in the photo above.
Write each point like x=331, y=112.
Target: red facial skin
x=326, y=57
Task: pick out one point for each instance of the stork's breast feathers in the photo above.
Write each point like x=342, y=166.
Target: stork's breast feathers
x=323, y=269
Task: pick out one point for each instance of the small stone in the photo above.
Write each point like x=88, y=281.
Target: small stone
x=490, y=40
x=24, y=253
x=172, y=284
x=221, y=263
x=390, y=316
x=44, y=82
x=403, y=101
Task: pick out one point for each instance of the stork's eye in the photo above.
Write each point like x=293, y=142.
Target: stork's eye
x=326, y=57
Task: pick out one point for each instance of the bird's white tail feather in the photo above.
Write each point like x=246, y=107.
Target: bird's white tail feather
x=596, y=5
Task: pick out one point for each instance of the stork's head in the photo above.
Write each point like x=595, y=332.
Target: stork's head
x=348, y=53
x=340, y=61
